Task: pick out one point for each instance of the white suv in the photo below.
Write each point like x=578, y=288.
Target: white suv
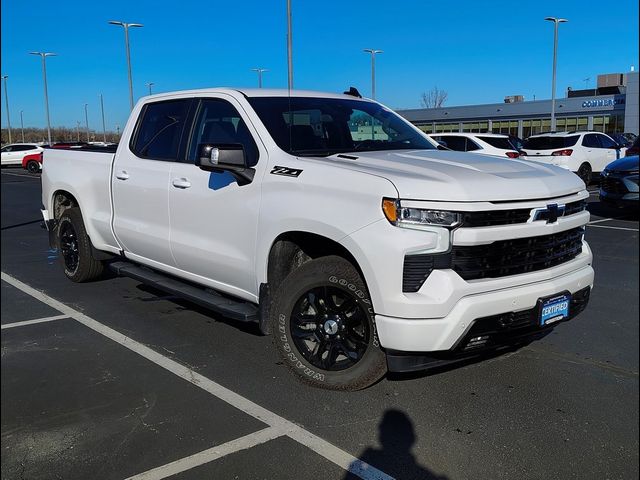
x=484, y=143
x=14, y=153
x=584, y=153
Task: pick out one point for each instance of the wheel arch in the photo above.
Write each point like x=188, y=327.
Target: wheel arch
x=291, y=249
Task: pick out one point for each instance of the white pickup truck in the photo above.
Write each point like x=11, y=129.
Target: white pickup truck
x=331, y=222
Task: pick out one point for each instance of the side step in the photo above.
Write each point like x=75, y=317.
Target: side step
x=235, y=309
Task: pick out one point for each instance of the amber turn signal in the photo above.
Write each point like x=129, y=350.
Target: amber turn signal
x=390, y=209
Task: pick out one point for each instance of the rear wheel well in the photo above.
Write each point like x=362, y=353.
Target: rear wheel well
x=62, y=201
x=292, y=249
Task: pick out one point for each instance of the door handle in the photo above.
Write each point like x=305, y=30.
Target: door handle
x=181, y=183
x=122, y=175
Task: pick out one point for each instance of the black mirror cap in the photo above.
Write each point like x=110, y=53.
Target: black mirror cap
x=229, y=157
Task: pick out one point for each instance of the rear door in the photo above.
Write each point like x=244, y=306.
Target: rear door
x=140, y=179
x=213, y=219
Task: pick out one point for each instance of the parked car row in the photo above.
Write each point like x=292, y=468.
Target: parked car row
x=584, y=153
x=29, y=155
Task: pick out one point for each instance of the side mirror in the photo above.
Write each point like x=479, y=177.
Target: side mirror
x=228, y=157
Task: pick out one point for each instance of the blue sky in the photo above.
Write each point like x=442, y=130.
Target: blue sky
x=477, y=51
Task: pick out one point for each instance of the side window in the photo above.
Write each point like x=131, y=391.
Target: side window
x=6, y=149
x=606, y=142
x=159, y=130
x=471, y=145
x=219, y=123
x=455, y=143
x=591, y=140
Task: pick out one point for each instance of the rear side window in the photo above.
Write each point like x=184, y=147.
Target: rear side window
x=591, y=141
x=159, y=130
x=550, y=143
x=498, y=142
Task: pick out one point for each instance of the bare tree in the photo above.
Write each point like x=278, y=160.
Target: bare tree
x=434, y=98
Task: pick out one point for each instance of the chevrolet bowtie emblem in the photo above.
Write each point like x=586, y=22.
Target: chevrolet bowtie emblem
x=551, y=213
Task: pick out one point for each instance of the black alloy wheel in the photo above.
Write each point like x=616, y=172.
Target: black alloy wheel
x=329, y=328
x=33, y=166
x=69, y=247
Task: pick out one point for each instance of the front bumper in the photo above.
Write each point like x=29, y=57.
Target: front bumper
x=487, y=335
x=445, y=333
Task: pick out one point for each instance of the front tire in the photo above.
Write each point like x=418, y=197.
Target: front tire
x=323, y=326
x=75, y=248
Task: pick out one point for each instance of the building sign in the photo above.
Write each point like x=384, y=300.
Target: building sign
x=608, y=102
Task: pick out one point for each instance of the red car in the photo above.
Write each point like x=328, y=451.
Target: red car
x=32, y=163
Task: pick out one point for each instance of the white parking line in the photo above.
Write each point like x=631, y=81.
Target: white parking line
x=332, y=453
x=31, y=322
x=211, y=454
x=601, y=220
x=613, y=228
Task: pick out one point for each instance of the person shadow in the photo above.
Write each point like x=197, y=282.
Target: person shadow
x=396, y=436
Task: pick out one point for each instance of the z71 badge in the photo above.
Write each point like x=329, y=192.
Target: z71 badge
x=286, y=171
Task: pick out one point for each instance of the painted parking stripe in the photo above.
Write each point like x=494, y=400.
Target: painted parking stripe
x=601, y=220
x=211, y=454
x=614, y=228
x=329, y=451
x=34, y=321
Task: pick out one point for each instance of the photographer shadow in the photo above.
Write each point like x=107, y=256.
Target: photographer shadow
x=396, y=436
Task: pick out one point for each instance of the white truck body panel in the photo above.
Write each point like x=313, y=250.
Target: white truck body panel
x=221, y=237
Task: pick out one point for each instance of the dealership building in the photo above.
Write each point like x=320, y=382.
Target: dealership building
x=611, y=107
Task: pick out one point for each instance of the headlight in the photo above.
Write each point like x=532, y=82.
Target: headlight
x=415, y=217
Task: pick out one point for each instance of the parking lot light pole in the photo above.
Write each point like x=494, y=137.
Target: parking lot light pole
x=556, y=22
x=22, y=125
x=6, y=102
x=126, y=27
x=149, y=85
x=104, y=127
x=289, y=47
x=86, y=119
x=44, y=56
x=259, y=71
x=373, y=53
x=78, y=130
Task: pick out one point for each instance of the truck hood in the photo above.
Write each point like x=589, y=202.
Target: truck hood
x=463, y=177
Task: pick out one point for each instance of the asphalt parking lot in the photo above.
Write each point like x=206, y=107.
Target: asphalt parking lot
x=116, y=380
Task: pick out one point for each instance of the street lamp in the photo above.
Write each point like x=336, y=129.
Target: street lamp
x=260, y=71
x=555, y=21
x=6, y=100
x=373, y=53
x=289, y=46
x=86, y=119
x=126, y=27
x=104, y=128
x=149, y=85
x=44, y=55
x=22, y=125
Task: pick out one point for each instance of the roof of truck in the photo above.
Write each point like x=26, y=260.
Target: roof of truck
x=258, y=92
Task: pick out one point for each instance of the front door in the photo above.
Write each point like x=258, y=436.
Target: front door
x=141, y=182
x=213, y=219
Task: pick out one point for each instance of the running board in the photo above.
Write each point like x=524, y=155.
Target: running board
x=235, y=309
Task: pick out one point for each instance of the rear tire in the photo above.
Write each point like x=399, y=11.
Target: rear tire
x=323, y=326
x=75, y=248
x=585, y=173
x=33, y=166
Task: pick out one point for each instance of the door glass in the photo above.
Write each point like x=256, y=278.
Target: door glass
x=591, y=141
x=606, y=142
x=160, y=129
x=219, y=123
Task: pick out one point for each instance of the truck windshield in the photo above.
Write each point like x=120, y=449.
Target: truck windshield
x=326, y=126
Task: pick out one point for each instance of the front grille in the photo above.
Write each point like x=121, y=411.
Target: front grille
x=612, y=185
x=513, y=257
x=506, y=328
x=509, y=217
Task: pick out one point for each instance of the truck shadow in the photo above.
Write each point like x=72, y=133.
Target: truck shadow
x=396, y=437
